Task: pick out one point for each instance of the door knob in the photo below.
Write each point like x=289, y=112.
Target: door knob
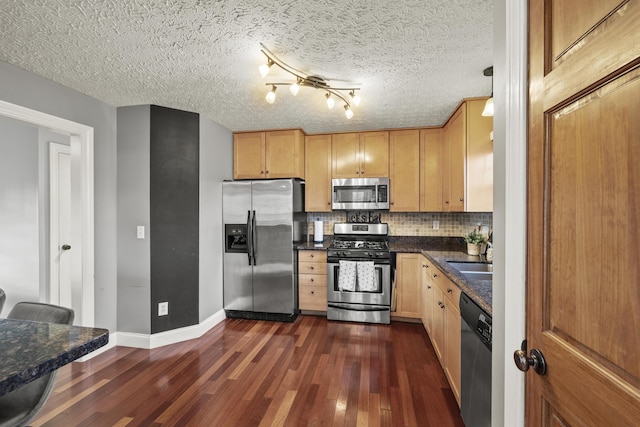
x=66, y=247
x=535, y=359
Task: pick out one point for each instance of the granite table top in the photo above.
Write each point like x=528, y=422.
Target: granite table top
x=29, y=349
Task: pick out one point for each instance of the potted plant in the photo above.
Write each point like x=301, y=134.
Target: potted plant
x=475, y=240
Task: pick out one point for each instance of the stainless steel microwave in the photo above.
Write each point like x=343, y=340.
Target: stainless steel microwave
x=360, y=194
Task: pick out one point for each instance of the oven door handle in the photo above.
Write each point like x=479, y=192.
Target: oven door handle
x=358, y=307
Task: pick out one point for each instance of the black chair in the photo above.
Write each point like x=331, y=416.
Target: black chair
x=3, y=297
x=20, y=405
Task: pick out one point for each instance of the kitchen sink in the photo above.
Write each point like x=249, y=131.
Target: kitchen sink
x=474, y=270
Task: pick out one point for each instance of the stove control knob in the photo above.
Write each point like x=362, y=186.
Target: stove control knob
x=380, y=254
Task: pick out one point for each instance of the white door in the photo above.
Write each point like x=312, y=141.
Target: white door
x=60, y=225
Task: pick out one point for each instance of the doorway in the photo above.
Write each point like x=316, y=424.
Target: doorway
x=81, y=273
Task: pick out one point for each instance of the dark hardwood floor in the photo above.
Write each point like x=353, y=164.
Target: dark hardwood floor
x=311, y=372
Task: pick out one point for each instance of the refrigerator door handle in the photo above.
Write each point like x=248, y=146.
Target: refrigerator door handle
x=254, y=233
x=249, y=237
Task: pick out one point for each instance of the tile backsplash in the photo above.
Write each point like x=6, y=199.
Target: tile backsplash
x=451, y=224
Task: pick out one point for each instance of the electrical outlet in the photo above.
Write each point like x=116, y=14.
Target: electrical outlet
x=163, y=308
x=140, y=232
x=436, y=225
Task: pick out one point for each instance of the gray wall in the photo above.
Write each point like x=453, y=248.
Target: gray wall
x=216, y=165
x=31, y=91
x=19, y=219
x=134, y=255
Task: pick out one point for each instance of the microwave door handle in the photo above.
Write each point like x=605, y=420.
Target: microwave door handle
x=249, y=237
x=254, y=232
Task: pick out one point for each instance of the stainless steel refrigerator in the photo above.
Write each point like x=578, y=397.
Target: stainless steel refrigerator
x=262, y=222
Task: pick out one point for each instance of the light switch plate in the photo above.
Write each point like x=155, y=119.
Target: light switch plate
x=140, y=232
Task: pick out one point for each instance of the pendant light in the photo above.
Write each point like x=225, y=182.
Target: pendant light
x=488, y=106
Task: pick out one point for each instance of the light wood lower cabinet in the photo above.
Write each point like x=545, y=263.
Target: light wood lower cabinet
x=312, y=280
x=408, y=280
x=441, y=319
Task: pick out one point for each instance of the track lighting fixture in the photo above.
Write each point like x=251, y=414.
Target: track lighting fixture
x=271, y=96
x=488, y=106
x=345, y=94
x=330, y=101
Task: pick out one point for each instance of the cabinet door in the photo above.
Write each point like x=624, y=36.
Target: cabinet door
x=479, y=159
x=408, y=280
x=374, y=154
x=318, y=173
x=345, y=148
x=457, y=153
x=452, y=347
x=249, y=155
x=284, y=154
x=404, y=170
x=437, y=329
x=430, y=170
x=427, y=297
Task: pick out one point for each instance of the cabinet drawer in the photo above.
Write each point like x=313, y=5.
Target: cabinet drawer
x=448, y=288
x=312, y=267
x=312, y=256
x=313, y=298
x=312, y=280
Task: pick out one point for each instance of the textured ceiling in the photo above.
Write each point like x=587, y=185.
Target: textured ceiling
x=415, y=59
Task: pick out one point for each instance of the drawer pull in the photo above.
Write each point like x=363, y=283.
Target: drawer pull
x=449, y=290
x=312, y=279
x=312, y=268
x=312, y=292
x=435, y=275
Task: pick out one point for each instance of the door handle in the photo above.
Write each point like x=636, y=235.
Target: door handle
x=66, y=247
x=535, y=359
x=249, y=237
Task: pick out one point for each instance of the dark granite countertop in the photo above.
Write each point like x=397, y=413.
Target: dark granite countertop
x=439, y=250
x=480, y=291
x=29, y=350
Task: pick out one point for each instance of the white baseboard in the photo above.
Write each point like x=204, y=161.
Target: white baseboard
x=149, y=341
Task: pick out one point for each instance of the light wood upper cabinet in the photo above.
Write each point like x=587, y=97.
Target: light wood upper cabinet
x=358, y=155
x=274, y=154
x=431, y=170
x=479, y=196
x=408, y=285
x=404, y=170
x=318, y=173
x=453, y=166
x=249, y=155
x=468, y=160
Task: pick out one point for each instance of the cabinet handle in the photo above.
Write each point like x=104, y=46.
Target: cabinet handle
x=449, y=290
x=312, y=268
x=311, y=280
x=428, y=286
x=311, y=256
x=462, y=200
x=446, y=202
x=262, y=172
x=312, y=292
x=435, y=275
x=267, y=171
x=357, y=173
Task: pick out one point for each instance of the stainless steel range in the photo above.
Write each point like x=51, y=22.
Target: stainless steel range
x=359, y=273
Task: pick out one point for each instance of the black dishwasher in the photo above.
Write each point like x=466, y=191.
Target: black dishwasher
x=475, y=364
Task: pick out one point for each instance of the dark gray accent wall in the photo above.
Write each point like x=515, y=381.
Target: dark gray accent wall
x=174, y=217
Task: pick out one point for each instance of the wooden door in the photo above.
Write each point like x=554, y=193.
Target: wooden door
x=404, y=170
x=345, y=148
x=317, y=173
x=249, y=155
x=374, y=154
x=284, y=154
x=583, y=274
x=431, y=170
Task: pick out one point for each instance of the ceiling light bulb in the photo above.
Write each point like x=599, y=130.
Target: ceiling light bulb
x=488, y=108
x=271, y=96
x=356, y=99
x=330, y=101
x=294, y=88
x=264, y=68
x=348, y=112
